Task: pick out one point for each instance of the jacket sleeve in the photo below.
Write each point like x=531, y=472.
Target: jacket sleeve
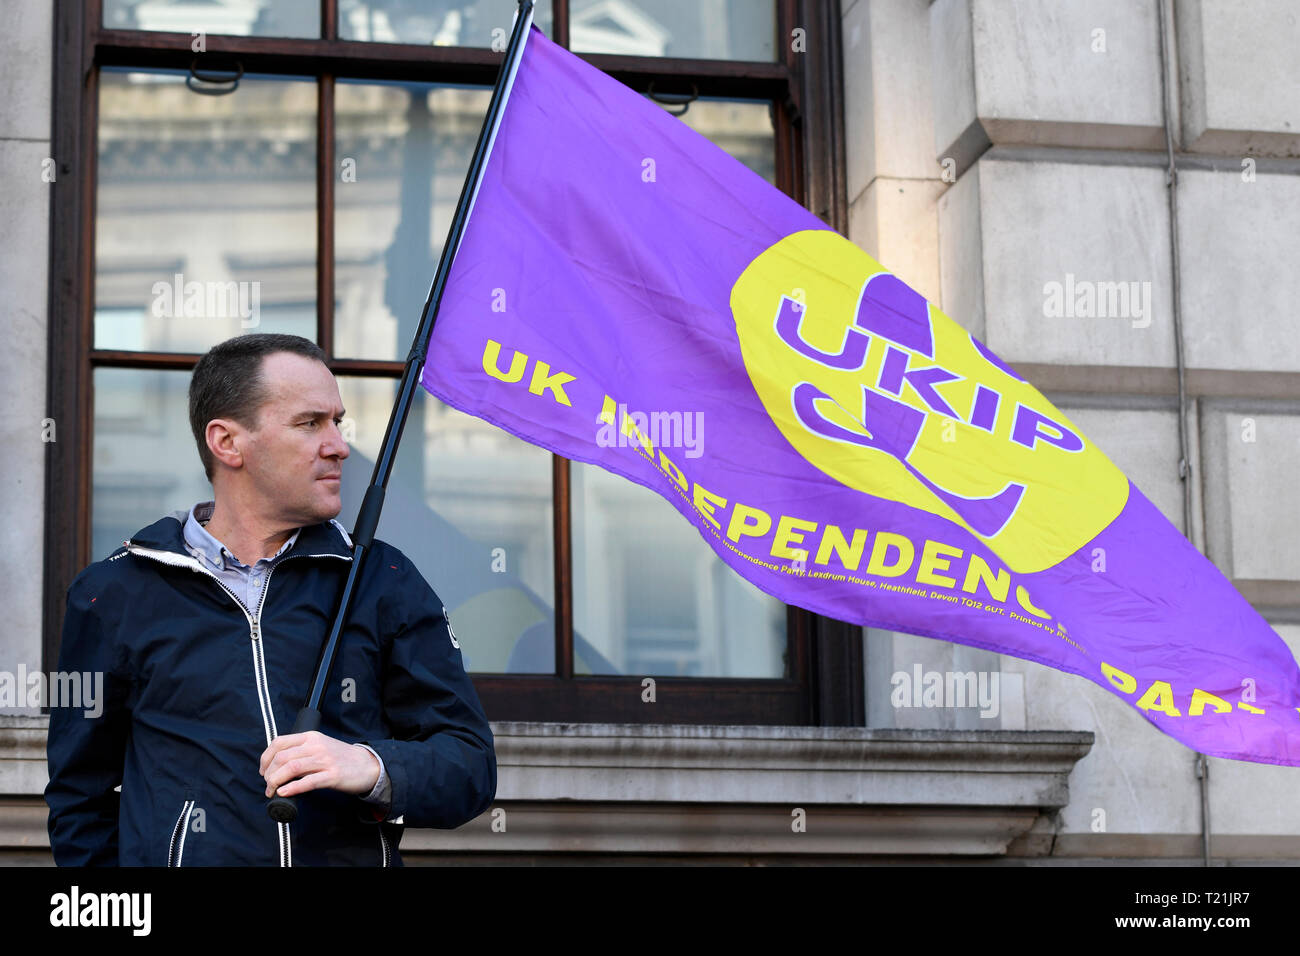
x=441, y=760
x=85, y=753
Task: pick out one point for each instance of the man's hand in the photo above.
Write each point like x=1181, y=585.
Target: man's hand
x=320, y=761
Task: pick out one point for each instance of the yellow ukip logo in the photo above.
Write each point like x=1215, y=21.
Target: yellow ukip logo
x=884, y=393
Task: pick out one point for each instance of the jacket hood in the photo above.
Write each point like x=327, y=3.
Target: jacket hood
x=168, y=534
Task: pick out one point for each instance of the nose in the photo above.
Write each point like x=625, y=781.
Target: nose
x=336, y=446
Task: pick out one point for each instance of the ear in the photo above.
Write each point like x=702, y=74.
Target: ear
x=225, y=438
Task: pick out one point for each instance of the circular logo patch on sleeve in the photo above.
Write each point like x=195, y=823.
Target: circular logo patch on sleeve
x=454, y=643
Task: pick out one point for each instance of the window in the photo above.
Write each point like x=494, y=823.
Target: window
x=293, y=165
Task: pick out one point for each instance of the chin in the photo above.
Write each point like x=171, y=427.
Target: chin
x=324, y=508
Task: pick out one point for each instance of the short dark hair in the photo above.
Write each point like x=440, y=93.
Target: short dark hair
x=228, y=382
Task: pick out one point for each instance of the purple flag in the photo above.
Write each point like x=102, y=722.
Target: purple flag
x=863, y=456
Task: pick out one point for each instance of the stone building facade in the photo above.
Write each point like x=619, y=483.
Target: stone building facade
x=997, y=154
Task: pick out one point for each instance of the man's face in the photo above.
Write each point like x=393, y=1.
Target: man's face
x=293, y=460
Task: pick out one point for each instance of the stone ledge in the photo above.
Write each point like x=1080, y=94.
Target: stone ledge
x=727, y=764
x=22, y=756
x=710, y=789
x=685, y=830
x=820, y=765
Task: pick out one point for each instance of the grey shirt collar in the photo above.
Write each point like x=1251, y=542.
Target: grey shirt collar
x=208, y=548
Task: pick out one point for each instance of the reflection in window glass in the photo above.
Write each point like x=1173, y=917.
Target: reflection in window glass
x=205, y=222
x=146, y=464
x=403, y=153
x=470, y=504
x=259, y=18
x=692, y=29
x=474, y=23
x=654, y=598
x=742, y=127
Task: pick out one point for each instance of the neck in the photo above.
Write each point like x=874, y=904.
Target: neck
x=246, y=534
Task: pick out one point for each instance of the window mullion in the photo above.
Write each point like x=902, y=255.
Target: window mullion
x=563, y=525
x=325, y=214
x=560, y=22
x=329, y=19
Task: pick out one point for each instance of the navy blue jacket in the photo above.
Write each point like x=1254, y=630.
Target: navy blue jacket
x=196, y=687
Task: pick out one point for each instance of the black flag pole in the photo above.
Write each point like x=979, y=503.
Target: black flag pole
x=285, y=809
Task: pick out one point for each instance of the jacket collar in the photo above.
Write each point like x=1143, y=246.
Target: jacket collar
x=168, y=534
x=202, y=545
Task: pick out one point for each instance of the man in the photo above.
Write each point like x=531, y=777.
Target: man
x=207, y=627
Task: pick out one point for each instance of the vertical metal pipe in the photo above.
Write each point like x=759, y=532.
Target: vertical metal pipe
x=1184, y=457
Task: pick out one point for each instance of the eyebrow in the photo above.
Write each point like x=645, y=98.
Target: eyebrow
x=313, y=413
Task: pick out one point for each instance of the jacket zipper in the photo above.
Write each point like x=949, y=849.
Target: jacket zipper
x=383, y=844
x=259, y=662
x=264, y=699
x=175, y=850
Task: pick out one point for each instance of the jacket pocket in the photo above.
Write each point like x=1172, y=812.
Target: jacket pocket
x=180, y=831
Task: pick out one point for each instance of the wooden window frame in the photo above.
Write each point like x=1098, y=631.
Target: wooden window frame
x=824, y=684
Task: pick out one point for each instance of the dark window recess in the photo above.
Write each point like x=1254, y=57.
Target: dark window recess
x=246, y=194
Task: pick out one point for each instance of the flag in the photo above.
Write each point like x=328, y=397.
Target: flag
x=863, y=456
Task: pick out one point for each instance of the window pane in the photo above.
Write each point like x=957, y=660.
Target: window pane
x=691, y=29
x=654, y=599
x=477, y=23
x=403, y=154
x=260, y=18
x=471, y=505
x=742, y=127
x=146, y=463
x=206, y=212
